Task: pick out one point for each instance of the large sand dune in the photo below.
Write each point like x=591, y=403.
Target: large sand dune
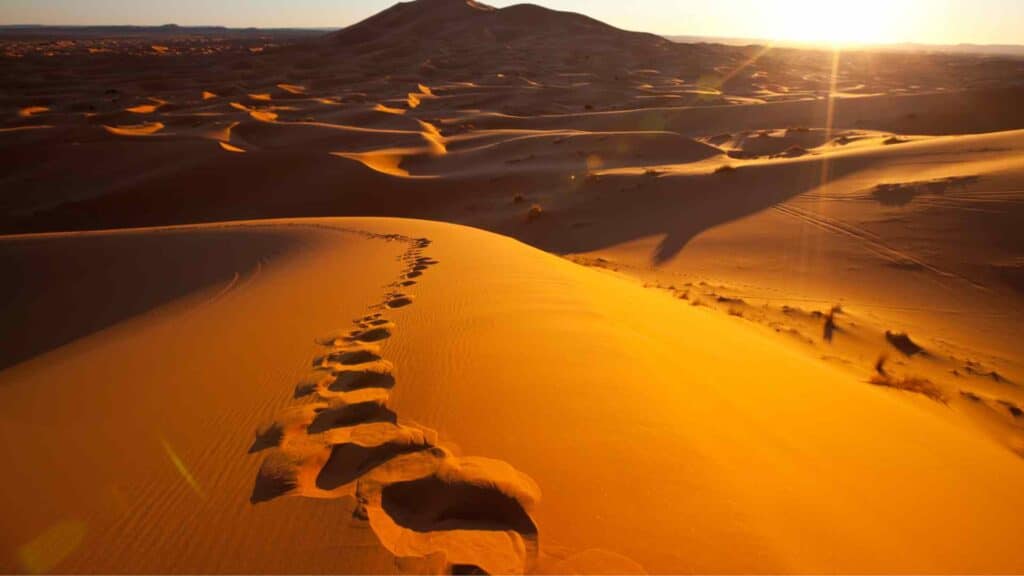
x=766, y=317
x=379, y=388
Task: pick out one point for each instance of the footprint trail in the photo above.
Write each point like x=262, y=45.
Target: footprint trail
x=343, y=439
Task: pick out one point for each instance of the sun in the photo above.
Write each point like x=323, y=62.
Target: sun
x=840, y=21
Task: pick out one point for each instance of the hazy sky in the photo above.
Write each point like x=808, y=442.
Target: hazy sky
x=931, y=21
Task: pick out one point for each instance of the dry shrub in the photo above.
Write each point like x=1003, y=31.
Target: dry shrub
x=913, y=384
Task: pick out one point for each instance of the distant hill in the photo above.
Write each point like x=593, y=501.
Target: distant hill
x=463, y=21
x=467, y=26
x=461, y=36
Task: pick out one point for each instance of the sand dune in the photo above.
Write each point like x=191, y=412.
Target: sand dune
x=147, y=129
x=367, y=453
x=764, y=318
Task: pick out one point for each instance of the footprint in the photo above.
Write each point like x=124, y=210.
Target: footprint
x=399, y=301
x=367, y=447
x=370, y=335
x=473, y=510
x=431, y=504
x=343, y=415
x=380, y=322
x=349, y=380
x=353, y=357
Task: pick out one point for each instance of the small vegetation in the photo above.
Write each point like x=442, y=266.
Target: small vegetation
x=910, y=384
x=913, y=384
x=518, y=199
x=535, y=212
x=903, y=343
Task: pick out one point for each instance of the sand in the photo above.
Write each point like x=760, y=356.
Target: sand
x=443, y=291
x=304, y=407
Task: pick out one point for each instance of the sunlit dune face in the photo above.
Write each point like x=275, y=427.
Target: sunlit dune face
x=843, y=22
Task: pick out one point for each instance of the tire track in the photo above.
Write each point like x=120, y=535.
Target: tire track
x=872, y=242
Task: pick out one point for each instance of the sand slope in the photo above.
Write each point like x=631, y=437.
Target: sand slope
x=782, y=335
x=595, y=422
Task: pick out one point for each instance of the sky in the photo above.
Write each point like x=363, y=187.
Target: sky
x=858, y=21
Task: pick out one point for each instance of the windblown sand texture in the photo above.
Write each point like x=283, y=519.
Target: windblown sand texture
x=462, y=289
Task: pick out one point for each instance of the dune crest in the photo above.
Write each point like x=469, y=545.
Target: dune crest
x=230, y=148
x=147, y=129
x=30, y=111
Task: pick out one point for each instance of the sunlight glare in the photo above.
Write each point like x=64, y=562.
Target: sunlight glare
x=841, y=22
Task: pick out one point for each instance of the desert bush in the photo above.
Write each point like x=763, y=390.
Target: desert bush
x=913, y=384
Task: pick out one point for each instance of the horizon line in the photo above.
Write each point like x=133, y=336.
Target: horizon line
x=668, y=36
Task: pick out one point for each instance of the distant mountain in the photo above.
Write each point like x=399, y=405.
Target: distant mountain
x=466, y=20
x=467, y=24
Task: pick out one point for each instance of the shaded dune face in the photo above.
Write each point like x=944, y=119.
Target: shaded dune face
x=188, y=265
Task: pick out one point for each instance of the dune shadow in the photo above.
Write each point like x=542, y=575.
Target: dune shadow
x=60, y=289
x=680, y=208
